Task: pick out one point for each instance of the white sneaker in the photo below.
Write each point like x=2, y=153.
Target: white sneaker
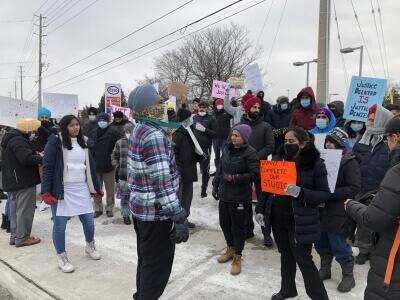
x=90, y=250
x=64, y=264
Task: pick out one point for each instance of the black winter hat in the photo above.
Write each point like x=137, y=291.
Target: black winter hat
x=103, y=117
x=183, y=114
x=93, y=110
x=338, y=136
x=118, y=114
x=203, y=104
x=393, y=126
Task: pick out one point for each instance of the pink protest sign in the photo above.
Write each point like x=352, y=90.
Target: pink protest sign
x=218, y=90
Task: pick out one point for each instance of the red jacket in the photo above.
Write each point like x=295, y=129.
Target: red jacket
x=305, y=117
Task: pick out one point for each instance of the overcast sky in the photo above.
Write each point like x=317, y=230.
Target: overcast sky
x=106, y=21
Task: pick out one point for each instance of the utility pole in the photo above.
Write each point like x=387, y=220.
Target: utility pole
x=20, y=78
x=41, y=35
x=15, y=90
x=323, y=51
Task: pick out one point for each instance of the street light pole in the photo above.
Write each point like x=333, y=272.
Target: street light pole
x=350, y=50
x=308, y=74
x=301, y=63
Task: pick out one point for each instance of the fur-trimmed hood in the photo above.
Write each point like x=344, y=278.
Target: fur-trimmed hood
x=305, y=159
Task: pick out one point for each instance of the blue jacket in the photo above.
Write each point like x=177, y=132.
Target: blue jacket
x=53, y=169
x=373, y=164
x=331, y=125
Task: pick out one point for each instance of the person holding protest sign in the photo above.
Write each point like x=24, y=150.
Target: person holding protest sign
x=69, y=179
x=304, y=115
x=325, y=121
x=235, y=111
x=334, y=223
x=372, y=154
x=20, y=162
x=205, y=129
x=232, y=186
x=91, y=123
x=382, y=217
x=355, y=130
x=158, y=218
x=262, y=140
x=295, y=217
x=119, y=159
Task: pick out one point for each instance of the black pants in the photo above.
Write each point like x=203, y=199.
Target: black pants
x=185, y=194
x=292, y=253
x=231, y=220
x=218, y=146
x=155, y=252
x=205, y=169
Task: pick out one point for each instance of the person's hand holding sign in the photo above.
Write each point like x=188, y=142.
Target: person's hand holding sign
x=293, y=190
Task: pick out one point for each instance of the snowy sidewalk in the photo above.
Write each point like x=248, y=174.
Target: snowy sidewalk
x=195, y=275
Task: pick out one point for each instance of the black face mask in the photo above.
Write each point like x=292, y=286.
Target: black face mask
x=253, y=115
x=46, y=123
x=290, y=150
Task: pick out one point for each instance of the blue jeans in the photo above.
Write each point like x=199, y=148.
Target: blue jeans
x=336, y=245
x=7, y=208
x=60, y=223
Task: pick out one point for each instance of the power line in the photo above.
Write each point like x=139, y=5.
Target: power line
x=15, y=21
x=55, y=18
x=119, y=40
x=346, y=79
x=158, y=48
x=362, y=37
x=43, y=4
x=74, y=16
x=51, y=13
x=383, y=39
x=49, y=8
x=276, y=34
x=378, y=39
x=264, y=23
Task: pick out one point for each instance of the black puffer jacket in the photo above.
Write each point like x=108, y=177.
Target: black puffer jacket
x=373, y=164
x=102, y=141
x=312, y=178
x=279, y=120
x=19, y=162
x=244, y=164
x=205, y=138
x=348, y=185
x=382, y=217
x=185, y=155
x=223, y=120
x=261, y=138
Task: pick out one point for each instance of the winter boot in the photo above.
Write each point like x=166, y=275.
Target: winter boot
x=4, y=219
x=268, y=242
x=348, y=281
x=8, y=225
x=64, y=264
x=236, y=265
x=127, y=220
x=90, y=250
x=227, y=256
x=326, y=263
x=283, y=295
x=362, y=258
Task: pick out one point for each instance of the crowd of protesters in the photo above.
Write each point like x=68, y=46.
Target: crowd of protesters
x=151, y=165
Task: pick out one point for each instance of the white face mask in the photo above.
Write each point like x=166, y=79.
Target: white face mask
x=219, y=107
x=202, y=113
x=92, y=117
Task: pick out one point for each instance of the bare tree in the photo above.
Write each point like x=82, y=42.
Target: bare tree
x=216, y=53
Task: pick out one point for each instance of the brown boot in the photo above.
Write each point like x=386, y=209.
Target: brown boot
x=227, y=256
x=28, y=242
x=236, y=265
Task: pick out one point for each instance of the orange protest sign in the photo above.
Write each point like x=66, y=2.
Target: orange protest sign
x=276, y=175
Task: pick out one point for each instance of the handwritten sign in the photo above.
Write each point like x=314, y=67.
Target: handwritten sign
x=218, y=90
x=332, y=160
x=363, y=93
x=319, y=141
x=125, y=110
x=253, y=78
x=61, y=104
x=276, y=175
x=14, y=109
x=236, y=82
x=179, y=90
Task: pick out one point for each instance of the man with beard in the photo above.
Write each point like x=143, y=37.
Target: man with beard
x=45, y=130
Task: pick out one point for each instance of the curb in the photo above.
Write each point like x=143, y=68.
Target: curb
x=20, y=286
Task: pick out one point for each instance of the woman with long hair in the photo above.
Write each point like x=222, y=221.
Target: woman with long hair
x=69, y=179
x=295, y=217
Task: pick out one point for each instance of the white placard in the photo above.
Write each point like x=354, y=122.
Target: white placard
x=253, y=78
x=332, y=160
x=319, y=141
x=125, y=110
x=61, y=105
x=15, y=109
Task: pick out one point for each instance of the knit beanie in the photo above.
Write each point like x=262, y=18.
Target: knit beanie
x=183, y=114
x=203, y=104
x=118, y=114
x=251, y=102
x=28, y=125
x=325, y=111
x=218, y=101
x=338, y=137
x=43, y=111
x=244, y=130
x=103, y=117
x=142, y=97
x=92, y=110
x=393, y=126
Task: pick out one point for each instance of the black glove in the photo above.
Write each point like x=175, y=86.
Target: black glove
x=215, y=193
x=180, y=232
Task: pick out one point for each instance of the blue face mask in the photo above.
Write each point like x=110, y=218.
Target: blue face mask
x=284, y=106
x=321, y=123
x=356, y=127
x=305, y=102
x=103, y=124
